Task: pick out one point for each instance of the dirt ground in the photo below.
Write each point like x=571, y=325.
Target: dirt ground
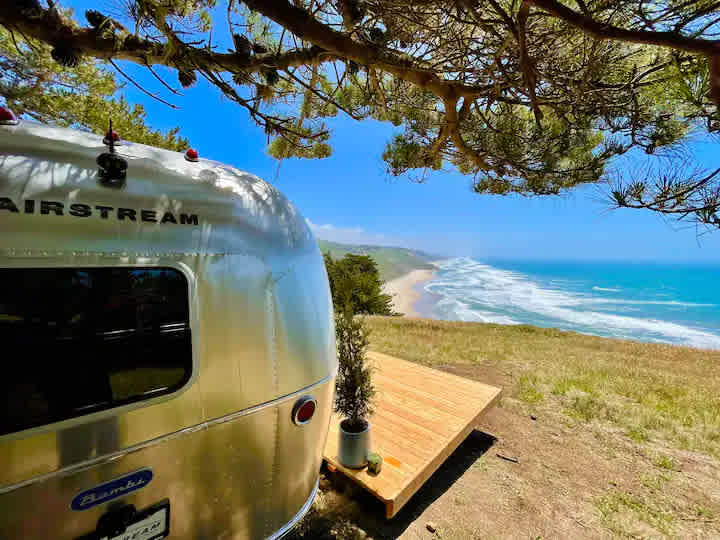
x=563, y=479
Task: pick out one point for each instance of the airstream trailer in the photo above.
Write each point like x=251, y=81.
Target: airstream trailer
x=168, y=348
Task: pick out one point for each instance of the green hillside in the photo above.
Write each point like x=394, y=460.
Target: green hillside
x=392, y=262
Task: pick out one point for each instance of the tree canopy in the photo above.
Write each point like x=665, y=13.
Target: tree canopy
x=33, y=84
x=527, y=96
x=355, y=285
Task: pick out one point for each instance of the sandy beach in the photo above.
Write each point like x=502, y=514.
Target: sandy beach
x=403, y=290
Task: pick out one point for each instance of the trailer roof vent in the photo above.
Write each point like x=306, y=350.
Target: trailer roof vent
x=7, y=117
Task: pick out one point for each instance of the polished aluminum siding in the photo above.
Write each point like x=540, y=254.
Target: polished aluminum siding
x=223, y=449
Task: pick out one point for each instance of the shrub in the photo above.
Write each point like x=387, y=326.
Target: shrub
x=355, y=285
x=354, y=391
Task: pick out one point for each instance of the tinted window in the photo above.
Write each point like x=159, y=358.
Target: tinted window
x=76, y=341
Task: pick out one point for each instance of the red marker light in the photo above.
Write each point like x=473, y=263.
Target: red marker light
x=191, y=155
x=304, y=410
x=7, y=117
x=114, y=135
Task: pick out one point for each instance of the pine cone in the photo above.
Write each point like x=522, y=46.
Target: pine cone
x=187, y=78
x=65, y=55
x=270, y=129
x=265, y=93
x=241, y=78
x=271, y=76
x=242, y=45
x=29, y=7
x=131, y=41
x=715, y=79
x=352, y=13
x=95, y=18
x=377, y=35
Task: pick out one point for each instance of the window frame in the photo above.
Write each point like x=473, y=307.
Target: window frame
x=48, y=263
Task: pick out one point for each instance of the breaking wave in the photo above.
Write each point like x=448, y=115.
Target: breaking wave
x=473, y=291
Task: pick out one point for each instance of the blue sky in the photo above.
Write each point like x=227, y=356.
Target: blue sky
x=349, y=198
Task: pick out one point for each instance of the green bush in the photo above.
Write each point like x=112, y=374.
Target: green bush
x=354, y=391
x=356, y=286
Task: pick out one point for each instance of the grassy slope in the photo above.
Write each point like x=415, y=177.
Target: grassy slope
x=639, y=425
x=649, y=391
x=610, y=439
x=392, y=261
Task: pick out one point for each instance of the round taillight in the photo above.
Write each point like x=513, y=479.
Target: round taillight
x=304, y=410
x=7, y=117
x=191, y=154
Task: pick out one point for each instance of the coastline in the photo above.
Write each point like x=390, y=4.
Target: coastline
x=406, y=291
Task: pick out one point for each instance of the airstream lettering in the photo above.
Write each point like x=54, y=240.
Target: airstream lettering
x=104, y=212
x=176, y=327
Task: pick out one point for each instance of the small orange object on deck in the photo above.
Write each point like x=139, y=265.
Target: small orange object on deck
x=421, y=416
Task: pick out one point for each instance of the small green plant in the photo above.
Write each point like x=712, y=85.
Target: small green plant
x=637, y=434
x=527, y=389
x=703, y=513
x=655, y=483
x=666, y=462
x=354, y=391
x=375, y=462
x=615, y=502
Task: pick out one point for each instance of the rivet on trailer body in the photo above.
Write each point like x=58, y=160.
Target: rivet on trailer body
x=192, y=155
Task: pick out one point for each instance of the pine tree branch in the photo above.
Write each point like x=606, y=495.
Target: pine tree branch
x=327, y=99
x=305, y=26
x=601, y=30
x=139, y=87
x=159, y=78
x=52, y=29
x=527, y=65
x=48, y=26
x=453, y=123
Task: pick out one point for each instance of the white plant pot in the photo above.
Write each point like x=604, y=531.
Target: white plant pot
x=354, y=447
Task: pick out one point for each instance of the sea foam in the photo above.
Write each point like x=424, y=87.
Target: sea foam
x=473, y=291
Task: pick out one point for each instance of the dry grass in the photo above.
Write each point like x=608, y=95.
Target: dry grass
x=612, y=439
x=647, y=391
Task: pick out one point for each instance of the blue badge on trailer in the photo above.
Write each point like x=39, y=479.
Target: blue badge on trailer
x=119, y=487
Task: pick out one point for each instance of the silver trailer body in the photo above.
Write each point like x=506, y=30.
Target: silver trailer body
x=220, y=445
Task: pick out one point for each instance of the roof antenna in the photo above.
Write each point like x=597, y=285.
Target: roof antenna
x=109, y=138
x=113, y=168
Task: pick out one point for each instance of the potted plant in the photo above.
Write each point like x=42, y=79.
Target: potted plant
x=354, y=390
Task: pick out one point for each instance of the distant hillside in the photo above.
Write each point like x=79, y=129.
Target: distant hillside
x=392, y=261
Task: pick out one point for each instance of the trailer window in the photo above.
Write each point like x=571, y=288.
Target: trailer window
x=81, y=340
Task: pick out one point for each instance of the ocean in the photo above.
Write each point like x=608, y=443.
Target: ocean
x=665, y=303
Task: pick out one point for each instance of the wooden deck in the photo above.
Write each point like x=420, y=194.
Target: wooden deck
x=422, y=415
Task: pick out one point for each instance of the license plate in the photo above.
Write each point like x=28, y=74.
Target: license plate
x=151, y=524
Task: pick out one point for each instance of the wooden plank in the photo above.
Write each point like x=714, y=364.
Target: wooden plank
x=422, y=416
x=450, y=381
x=403, y=495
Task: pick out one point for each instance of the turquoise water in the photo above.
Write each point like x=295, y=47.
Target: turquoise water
x=668, y=303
